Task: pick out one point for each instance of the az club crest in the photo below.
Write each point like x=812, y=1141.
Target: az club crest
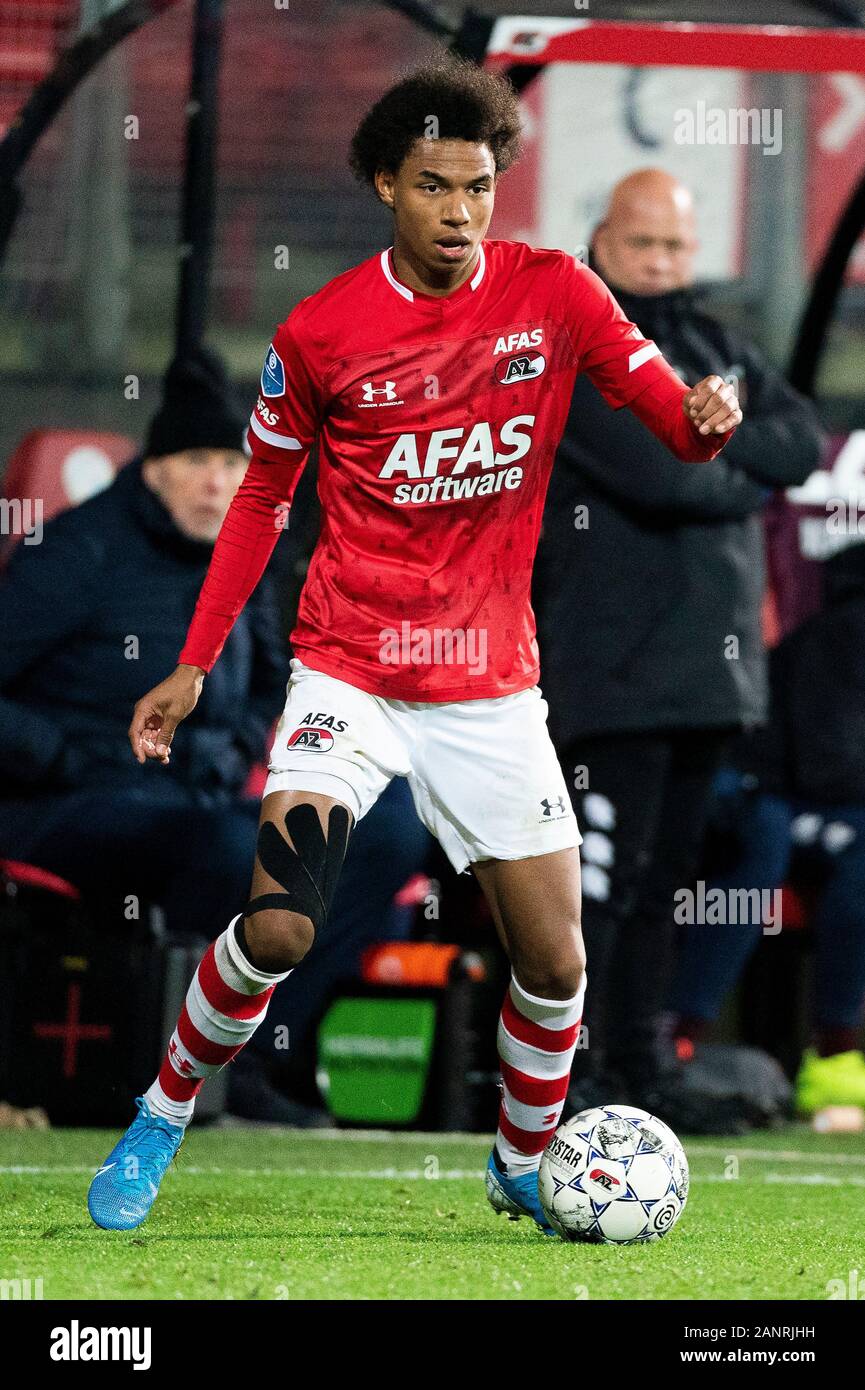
x=317, y=740
x=523, y=367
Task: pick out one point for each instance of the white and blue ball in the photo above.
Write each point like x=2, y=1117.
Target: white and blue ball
x=613, y=1175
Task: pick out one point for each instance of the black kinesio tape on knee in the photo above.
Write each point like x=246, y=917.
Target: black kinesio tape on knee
x=240, y=938
x=308, y=868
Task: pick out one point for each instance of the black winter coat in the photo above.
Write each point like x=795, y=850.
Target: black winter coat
x=814, y=744
x=111, y=572
x=649, y=618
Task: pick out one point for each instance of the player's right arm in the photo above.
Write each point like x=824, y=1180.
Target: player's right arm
x=281, y=431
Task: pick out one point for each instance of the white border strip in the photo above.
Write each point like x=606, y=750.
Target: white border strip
x=643, y=354
x=281, y=441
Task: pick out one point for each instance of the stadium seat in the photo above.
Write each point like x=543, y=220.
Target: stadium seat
x=60, y=468
x=14, y=872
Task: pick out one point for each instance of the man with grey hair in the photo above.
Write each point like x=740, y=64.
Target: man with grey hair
x=648, y=589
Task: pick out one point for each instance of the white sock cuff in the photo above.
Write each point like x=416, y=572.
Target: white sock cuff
x=551, y=1013
x=244, y=968
x=177, y=1112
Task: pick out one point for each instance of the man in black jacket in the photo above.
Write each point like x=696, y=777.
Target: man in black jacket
x=95, y=613
x=84, y=616
x=648, y=589
x=797, y=799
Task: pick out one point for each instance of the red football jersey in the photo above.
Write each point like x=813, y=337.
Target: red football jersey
x=438, y=420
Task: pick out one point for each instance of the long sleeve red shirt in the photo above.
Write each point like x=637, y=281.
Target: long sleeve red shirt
x=438, y=419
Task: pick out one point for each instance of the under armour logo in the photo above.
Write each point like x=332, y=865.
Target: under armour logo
x=182, y=1064
x=388, y=391
x=549, y=806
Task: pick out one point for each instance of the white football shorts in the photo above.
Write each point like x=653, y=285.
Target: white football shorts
x=483, y=774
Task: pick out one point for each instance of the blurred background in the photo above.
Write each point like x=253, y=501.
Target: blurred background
x=189, y=183
x=90, y=276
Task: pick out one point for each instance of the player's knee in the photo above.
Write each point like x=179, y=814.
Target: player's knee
x=561, y=981
x=277, y=939
x=569, y=965
x=578, y=967
x=559, y=973
x=578, y=956
x=294, y=882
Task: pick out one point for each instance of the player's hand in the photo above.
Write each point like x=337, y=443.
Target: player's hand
x=712, y=406
x=158, y=713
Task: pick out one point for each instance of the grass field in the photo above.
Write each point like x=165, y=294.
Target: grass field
x=260, y=1213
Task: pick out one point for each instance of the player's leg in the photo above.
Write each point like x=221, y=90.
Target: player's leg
x=487, y=783
x=301, y=844
x=535, y=904
x=386, y=849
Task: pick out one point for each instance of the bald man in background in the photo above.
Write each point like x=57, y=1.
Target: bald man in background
x=648, y=591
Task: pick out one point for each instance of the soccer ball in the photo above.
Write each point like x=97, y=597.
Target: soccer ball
x=613, y=1175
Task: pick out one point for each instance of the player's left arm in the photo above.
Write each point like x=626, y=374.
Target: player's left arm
x=712, y=406
x=694, y=422
x=628, y=369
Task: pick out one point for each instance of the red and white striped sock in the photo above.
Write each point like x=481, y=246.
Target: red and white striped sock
x=226, y=1002
x=537, y=1039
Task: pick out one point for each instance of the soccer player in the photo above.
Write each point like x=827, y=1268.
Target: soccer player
x=437, y=377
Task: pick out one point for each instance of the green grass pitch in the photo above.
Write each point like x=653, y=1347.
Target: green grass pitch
x=261, y=1213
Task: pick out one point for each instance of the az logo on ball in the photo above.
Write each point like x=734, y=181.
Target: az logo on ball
x=613, y=1175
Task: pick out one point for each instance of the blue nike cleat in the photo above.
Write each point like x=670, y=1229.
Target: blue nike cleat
x=125, y=1187
x=518, y=1196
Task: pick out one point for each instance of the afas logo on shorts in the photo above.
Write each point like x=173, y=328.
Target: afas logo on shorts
x=315, y=732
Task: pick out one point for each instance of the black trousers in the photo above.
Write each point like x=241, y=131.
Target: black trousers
x=642, y=801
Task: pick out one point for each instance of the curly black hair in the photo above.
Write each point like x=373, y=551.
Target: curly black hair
x=467, y=102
